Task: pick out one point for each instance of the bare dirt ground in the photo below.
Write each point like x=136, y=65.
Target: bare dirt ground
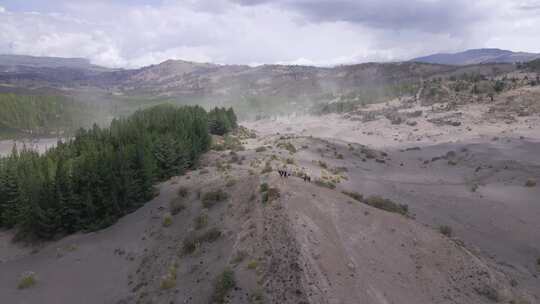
x=469, y=168
x=307, y=243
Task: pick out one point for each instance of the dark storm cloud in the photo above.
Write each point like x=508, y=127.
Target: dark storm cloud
x=430, y=16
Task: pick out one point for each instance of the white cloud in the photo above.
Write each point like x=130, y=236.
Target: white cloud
x=123, y=34
x=2, y=10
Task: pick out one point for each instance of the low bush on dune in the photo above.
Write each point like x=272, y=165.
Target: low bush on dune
x=176, y=206
x=167, y=220
x=445, y=230
x=531, y=182
x=194, y=240
x=287, y=146
x=269, y=194
x=325, y=184
x=267, y=168
x=168, y=281
x=252, y=264
x=183, y=192
x=223, y=284
x=201, y=220
x=263, y=187
x=538, y=261
x=211, y=198
x=387, y=205
x=28, y=279
x=357, y=196
x=260, y=149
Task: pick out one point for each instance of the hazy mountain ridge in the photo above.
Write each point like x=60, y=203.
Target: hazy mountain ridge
x=478, y=56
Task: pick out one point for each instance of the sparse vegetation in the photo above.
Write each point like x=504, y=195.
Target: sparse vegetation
x=322, y=164
x=183, y=192
x=209, y=199
x=252, y=264
x=194, y=241
x=167, y=220
x=267, y=168
x=489, y=292
x=260, y=149
x=168, y=281
x=201, y=220
x=230, y=182
x=357, y=196
x=531, y=182
x=176, y=206
x=387, y=205
x=28, y=279
x=325, y=184
x=445, y=230
x=223, y=285
x=268, y=194
x=287, y=146
x=239, y=257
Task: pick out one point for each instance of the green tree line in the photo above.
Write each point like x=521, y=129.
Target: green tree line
x=221, y=120
x=102, y=173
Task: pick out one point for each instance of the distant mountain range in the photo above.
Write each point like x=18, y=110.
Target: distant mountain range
x=265, y=88
x=478, y=56
x=13, y=61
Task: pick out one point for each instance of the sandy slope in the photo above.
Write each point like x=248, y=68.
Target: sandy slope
x=313, y=244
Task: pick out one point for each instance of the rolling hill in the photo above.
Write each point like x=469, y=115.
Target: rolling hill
x=478, y=56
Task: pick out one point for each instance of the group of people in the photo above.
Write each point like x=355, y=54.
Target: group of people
x=283, y=173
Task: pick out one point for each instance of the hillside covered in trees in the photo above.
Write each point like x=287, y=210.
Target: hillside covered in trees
x=42, y=115
x=103, y=173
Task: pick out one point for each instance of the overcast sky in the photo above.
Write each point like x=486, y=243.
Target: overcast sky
x=317, y=32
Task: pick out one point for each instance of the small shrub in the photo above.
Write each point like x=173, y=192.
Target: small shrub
x=257, y=297
x=231, y=182
x=201, y=220
x=190, y=244
x=222, y=285
x=167, y=220
x=194, y=241
x=530, y=182
x=239, y=257
x=325, y=184
x=287, y=146
x=168, y=281
x=260, y=149
x=273, y=194
x=252, y=264
x=323, y=164
x=176, y=206
x=357, y=196
x=339, y=156
x=211, y=198
x=445, y=230
x=28, y=279
x=264, y=197
x=289, y=161
x=538, y=261
x=211, y=235
x=183, y=192
x=267, y=168
x=489, y=292
x=387, y=205
x=263, y=187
